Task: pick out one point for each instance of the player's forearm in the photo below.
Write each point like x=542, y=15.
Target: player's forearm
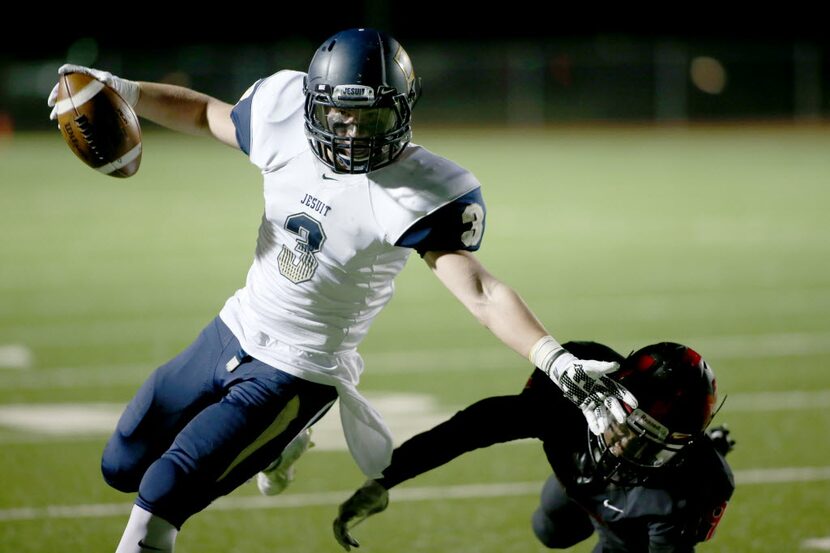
x=493, y=303
x=509, y=318
x=177, y=108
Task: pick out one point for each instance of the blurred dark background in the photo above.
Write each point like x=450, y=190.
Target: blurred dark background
x=510, y=64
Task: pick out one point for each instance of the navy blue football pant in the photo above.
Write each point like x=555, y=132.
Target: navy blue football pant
x=195, y=431
x=558, y=522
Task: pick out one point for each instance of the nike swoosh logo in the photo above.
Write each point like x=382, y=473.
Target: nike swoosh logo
x=326, y=177
x=608, y=505
x=144, y=546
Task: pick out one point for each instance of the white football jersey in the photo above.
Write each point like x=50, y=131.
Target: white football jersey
x=330, y=245
x=327, y=250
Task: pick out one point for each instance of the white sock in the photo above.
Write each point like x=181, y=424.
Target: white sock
x=147, y=533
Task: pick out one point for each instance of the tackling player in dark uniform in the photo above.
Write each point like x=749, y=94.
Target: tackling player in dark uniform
x=657, y=483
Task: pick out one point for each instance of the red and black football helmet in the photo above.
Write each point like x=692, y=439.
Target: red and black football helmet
x=676, y=392
x=360, y=90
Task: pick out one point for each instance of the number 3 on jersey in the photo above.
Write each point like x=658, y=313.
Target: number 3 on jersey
x=299, y=267
x=473, y=214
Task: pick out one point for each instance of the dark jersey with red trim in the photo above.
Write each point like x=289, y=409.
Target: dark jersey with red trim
x=675, y=508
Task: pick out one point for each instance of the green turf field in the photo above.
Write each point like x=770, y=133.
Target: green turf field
x=715, y=237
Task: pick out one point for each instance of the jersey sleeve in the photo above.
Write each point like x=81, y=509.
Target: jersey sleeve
x=269, y=120
x=241, y=117
x=458, y=225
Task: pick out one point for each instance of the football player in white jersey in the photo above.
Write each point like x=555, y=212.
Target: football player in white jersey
x=347, y=198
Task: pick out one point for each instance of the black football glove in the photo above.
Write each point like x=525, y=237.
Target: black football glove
x=721, y=439
x=369, y=499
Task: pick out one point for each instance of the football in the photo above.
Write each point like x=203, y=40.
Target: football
x=99, y=126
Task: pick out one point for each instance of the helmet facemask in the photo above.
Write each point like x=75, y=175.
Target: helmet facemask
x=357, y=135
x=642, y=441
x=628, y=453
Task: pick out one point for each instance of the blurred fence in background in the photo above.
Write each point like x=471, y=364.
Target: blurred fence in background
x=614, y=78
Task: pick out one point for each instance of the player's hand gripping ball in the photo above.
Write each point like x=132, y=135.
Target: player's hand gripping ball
x=100, y=127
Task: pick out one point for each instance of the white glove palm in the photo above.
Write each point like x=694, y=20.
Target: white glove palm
x=129, y=90
x=369, y=499
x=585, y=383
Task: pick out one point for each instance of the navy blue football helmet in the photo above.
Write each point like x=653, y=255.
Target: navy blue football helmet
x=676, y=392
x=360, y=90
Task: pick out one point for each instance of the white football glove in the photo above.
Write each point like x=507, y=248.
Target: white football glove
x=369, y=499
x=129, y=90
x=585, y=383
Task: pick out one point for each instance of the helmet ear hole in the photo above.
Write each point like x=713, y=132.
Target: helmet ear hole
x=358, y=71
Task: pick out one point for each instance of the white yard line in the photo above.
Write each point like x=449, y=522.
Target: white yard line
x=781, y=475
x=15, y=356
x=318, y=499
x=761, y=345
x=777, y=401
x=714, y=348
x=822, y=544
x=406, y=414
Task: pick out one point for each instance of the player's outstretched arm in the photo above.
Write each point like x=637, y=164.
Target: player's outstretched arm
x=507, y=316
x=497, y=306
x=185, y=110
x=175, y=107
